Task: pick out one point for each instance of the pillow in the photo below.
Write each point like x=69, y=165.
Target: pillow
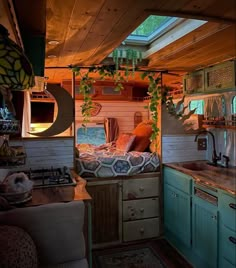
x=143, y=132
x=17, y=249
x=125, y=141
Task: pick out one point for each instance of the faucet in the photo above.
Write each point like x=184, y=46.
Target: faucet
x=215, y=157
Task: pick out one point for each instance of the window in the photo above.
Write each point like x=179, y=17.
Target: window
x=198, y=104
x=91, y=135
x=110, y=91
x=91, y=90
x=157, y=26
x=233, y=109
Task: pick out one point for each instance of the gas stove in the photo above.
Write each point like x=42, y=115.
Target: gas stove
x=49, y=177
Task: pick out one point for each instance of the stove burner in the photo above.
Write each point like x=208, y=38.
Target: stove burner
x=50, y=177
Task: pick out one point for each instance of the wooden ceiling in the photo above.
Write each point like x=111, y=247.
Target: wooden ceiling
x=88, y=31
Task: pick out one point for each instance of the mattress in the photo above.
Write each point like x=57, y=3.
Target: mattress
x=105, y=161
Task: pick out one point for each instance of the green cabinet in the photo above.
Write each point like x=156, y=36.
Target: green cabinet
x=177, y=213
x=204, y=231
x=191, y=218
x=227, y=230
x=177, y=205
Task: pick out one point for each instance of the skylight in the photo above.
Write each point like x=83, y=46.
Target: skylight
x=150, y=25
x=151, y=28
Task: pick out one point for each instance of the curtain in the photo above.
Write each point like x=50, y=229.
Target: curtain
x=26, y=115
x=111, y=129
x=213, y=107
x=230, y=147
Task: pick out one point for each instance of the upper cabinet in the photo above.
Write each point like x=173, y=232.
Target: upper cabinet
x=221, y=76
x=213, y=79
x=194, y=82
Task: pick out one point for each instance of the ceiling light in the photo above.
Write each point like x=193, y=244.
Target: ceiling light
x=52, y=56
x=53, y=42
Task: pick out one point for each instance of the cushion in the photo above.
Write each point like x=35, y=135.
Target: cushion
x=143, y=133
x=17, y=249
x=125, y=141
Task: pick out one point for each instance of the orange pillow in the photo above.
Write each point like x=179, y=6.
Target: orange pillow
x=125, y=141
x=143, y=132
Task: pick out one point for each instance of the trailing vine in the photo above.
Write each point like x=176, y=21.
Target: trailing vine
x=155, y=91
x=87, y=81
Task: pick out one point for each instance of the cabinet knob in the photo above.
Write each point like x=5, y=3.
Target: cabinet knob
x=141, y=189
x=232, y=239
x=141, y=230
x=233, y=206
x=141, y=209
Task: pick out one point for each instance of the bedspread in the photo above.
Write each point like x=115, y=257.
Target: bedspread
x=106, y=161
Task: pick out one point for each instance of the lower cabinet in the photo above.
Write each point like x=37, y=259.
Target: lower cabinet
x=124, y=210
x=227, y=230
x=106, y=211
x=205, y=232
x=177, y=213
x=199, y=221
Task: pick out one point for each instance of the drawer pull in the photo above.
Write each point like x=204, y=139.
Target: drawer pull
x=233, y=206
x=141, y=230
x=141, y=209
x=232, y=239
x=214, y=217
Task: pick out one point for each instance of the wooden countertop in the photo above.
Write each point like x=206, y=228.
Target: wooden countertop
x=219, y=177
x=41, y=196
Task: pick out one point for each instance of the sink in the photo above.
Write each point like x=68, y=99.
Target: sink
x=195, y=166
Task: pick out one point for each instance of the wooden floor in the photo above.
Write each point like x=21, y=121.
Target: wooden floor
x=169, y=256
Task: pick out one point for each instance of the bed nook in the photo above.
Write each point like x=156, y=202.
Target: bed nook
x=127, y=154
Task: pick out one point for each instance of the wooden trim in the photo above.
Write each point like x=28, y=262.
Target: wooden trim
x=189, y=15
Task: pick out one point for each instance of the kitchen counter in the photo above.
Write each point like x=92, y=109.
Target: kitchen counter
x=219, y=177
x=56, y=194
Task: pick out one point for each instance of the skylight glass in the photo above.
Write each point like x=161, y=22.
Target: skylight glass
x=151, y=28
x=150, y=25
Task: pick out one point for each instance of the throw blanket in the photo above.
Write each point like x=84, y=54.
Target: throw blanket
x=105, y=161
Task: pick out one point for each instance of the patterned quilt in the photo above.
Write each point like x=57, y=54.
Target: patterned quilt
x=105, y=161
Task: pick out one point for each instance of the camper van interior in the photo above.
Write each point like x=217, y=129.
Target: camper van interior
x=117, y=133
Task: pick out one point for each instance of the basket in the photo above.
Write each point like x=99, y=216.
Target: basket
x=17, y=198
x=12, y=160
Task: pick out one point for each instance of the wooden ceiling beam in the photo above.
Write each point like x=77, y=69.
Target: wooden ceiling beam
x=190, y=15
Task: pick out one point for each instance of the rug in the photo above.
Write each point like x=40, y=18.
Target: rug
x=157, y=253
x=129, y=257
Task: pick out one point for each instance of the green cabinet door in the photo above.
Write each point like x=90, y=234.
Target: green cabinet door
x=204, y=232
x=177, y=216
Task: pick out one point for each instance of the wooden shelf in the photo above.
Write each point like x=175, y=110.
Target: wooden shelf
x=219, y=126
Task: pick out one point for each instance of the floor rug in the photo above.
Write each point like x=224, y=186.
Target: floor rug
x=154, y=254
x=129, y=258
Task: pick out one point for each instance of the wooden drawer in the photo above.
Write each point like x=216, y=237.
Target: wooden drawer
x=140, y=188
x=140, y=209
x=227, y=207
x=228, y=244
x=141, y=229
x=178, y=179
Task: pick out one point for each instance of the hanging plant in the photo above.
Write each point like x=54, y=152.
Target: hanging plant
x=158, y=93
x=131, y=57
x=87, y=81
x=154, y=91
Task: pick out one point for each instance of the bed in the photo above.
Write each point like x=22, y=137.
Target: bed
x=127, y=156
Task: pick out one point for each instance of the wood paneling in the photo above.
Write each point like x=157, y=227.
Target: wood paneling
x=105, y=212
x=123, y=111
x=88, y=31
x=177, y=148
x=47, y=152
